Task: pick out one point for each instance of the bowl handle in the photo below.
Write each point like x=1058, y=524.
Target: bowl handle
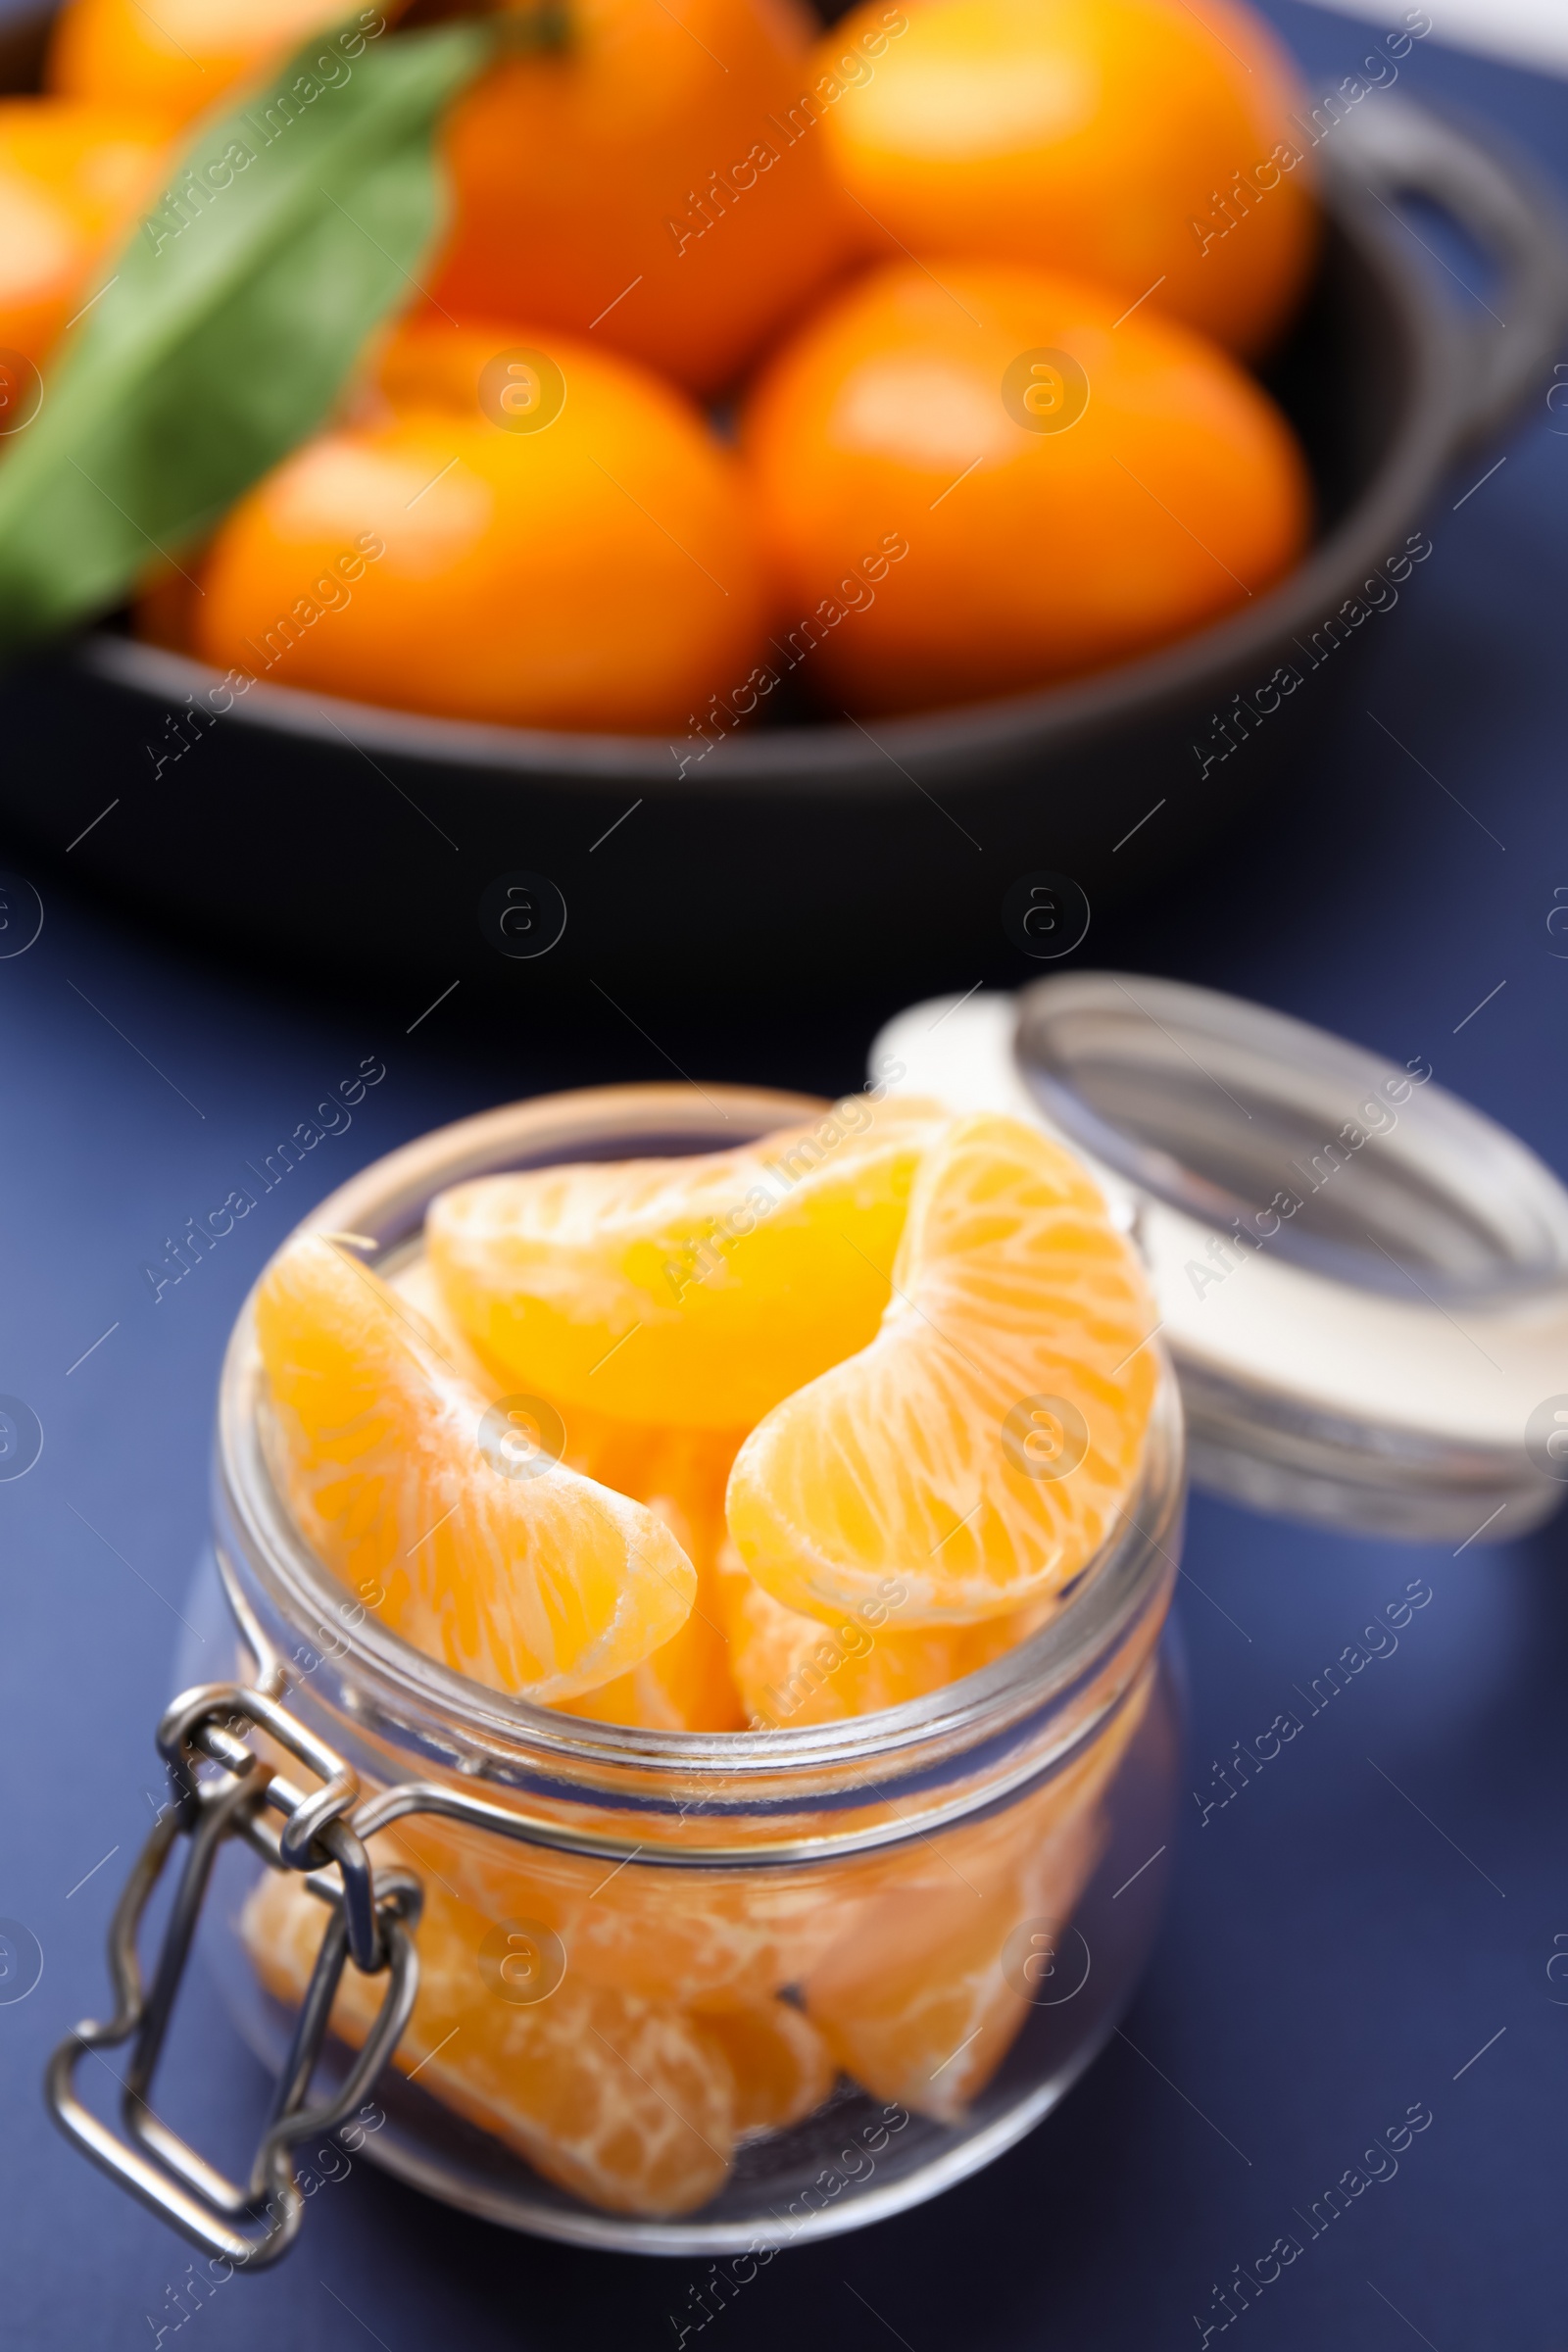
x=1398, y=147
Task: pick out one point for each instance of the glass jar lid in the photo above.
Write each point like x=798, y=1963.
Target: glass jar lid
x=1363, y=1282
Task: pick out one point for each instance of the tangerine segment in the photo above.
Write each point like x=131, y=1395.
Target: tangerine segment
x=540, y=1583
x=680, y=1474
x=628, y=2104
x=696, y=1291
x=658, y=181
x=70, y=178
x=790, y=1669
x=783, y=2069
x=919, y=2009
x=685, y=1685
x=701, y=1938
x=981, y=1449
x=415, y=1284
x=578, y=553
x=922, y=2002
x=177, y=60
x=1143, y=143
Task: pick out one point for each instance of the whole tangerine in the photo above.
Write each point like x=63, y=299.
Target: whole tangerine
x=574, y=553
x=179, y=59
x=1145, y=143
x=659, y=183
x=72, y=176
x=974, y=485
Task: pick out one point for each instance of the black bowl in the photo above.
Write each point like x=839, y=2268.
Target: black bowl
x=314, y=830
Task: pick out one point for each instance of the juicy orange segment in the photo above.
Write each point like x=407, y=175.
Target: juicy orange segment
x=979, y=1449
x=693, y=1937
x=782, y=2067
x=924, y=1998
x=698, y=1290
x=543, y=1584
x=686, y=1684
x=680, y=1474
x=416, y=1286
x=625, y=2102
x=918, y=2008
x=790, y=1669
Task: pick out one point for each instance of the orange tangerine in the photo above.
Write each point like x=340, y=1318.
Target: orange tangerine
x=72, y=176
x=658, y=182
x=627, y=2103
x=179, y=59
x=790, y=1669
x=597, y=568
x=491, y=1558
x=979, y=1451
x=428, y=362
x=694, y=1291
x=1142, y=143
x=978, y=480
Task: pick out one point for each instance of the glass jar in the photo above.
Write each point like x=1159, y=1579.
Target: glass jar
x=933, y=1915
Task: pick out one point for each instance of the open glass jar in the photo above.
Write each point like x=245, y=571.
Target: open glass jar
x=961, y=1890
x=1362, y=1287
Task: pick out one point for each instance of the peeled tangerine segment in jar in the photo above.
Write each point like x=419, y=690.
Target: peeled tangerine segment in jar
x=921, y=2001
x=632, y=2104
x=496, y=1562
x=685, y=1685
x=697, y=1939
x=695, y=1291
x=979, y=1451
x=789, y=1669
x=680, y=1474
x=782, y=2067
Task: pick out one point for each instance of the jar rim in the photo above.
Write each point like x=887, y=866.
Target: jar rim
x=376, y=1675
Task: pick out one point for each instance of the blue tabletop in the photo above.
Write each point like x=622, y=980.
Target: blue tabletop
x=1369, y=1927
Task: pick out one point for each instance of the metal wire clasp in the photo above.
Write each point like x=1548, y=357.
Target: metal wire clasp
x=226, y=1789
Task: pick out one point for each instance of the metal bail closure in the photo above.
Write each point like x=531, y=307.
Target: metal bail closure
x=1361, y=1281
x=227, y=1790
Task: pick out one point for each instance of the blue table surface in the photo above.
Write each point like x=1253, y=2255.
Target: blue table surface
x=1336, y=1947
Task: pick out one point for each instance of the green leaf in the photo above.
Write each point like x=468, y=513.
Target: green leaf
x=295, y=222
